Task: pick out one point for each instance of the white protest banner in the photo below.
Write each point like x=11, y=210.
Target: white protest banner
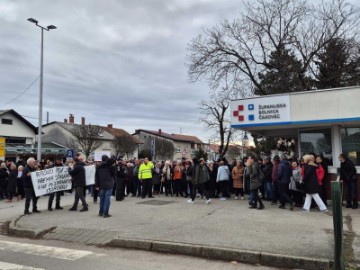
x=98, y=155
x=51, y=180
x=90, y=175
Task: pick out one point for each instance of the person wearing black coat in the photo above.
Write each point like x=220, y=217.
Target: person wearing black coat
x=12, y=181
x=121, y=175
x=29, y=188
x=311, y=184
x=348, y=177
x=267, y=170
x=78, y=175
x=58, y=194
x=284, y=175
x=3, y=179
x=104, y=182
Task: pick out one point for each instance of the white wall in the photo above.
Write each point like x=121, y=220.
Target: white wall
x=326, y=104
x=17, y=129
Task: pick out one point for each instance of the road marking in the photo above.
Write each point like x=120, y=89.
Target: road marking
x=45, y=251
x=11, y=266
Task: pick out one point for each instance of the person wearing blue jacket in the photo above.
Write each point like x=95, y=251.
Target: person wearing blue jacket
x=284, y=177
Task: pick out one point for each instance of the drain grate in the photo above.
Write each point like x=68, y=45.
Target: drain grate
x=156, y=202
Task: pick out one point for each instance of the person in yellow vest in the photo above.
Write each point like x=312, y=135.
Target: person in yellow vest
x=145, y=176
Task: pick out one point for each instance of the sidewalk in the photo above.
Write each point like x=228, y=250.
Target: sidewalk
x=226, y=230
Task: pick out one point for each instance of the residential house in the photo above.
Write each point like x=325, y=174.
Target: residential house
x=185, y=145
x=61, y=133
x=18, y=132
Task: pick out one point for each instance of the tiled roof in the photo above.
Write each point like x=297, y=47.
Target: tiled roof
x=174, y=137
x=118, y=132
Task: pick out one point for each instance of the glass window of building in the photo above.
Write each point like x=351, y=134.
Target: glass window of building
x=350, y=140
x=317, y=142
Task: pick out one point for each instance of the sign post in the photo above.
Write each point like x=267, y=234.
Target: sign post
x=2, y=148
x=152, y=149
x=69, y=154
x=338, y=225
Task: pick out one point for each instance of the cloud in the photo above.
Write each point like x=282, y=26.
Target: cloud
x=111, y=61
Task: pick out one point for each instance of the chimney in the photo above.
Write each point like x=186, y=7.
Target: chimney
x=65, y=120
x=160, y=131
x=71, y=119
x=110, y=126
x=83, y=121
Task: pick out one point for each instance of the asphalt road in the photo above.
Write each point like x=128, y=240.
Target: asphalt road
x=26, y=254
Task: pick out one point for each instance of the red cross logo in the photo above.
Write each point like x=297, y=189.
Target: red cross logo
x=237, y=113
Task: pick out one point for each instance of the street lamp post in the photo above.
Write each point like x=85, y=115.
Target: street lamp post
x=48, y=28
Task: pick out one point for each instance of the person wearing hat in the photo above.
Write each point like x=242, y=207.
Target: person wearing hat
x=58, y=163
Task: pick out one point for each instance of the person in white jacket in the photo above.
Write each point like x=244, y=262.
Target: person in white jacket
x=223, y=177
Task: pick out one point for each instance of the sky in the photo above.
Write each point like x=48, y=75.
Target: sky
x=114, y=62
x=120, y=62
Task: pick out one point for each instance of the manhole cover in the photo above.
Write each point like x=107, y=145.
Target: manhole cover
x=156, y=202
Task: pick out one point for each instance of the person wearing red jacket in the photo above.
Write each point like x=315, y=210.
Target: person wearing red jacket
x=320, y=172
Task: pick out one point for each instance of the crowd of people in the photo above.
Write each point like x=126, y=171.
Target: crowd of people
x=278, y=180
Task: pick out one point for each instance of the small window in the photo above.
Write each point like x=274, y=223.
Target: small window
x=5, y=121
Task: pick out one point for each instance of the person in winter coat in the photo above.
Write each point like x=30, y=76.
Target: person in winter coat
x=157, y=178
x=104, y=182
x=120, y=178
x=284, y=175
x=188, y=175
x=311, y=183
x=255, y=183
x=20, y=183
x=267, y=171
x=199, y=178
x=78, y=175
x=238, y=177
x=145, y=176
x=167, y=176
x=223, y=178
x=4, y=174
x=58, y=194
x=348, y=177
x=296, y=194
x=135, y=180
x=274, y=177
x=177, y=178
x=29, y=188
x=320, y=172
x=11, y=186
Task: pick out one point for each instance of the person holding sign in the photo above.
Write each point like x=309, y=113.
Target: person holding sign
x=78, y=174
x=29, y=188
x=58, y=163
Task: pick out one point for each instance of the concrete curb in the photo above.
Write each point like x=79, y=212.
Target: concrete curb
x=226, y=254
x=14, y=230
x=209, y=252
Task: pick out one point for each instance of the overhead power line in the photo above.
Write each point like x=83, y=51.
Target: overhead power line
x=23, y=92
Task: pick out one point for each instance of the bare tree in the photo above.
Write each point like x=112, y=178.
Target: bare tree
x=164, y=148
x=236, y=52
x=215, y=116
x=124, y=145
x=87, y=138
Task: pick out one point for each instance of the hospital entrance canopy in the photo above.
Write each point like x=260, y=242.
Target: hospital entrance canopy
x=283, y=115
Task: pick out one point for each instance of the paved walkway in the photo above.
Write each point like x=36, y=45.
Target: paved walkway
x=222, y=225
